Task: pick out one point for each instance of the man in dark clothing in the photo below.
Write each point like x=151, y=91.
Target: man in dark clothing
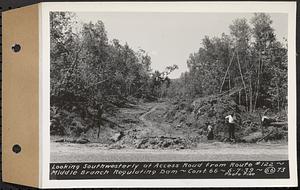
x=231, y=131
x=210, y=132
x=266, y=121
x=231, y=126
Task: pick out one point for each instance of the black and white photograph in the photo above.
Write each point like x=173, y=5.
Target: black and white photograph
x=168, y=87
x=150, y=94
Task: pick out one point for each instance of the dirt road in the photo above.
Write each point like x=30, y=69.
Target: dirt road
x=148, y=125
x=154, y=128
x=63, y=152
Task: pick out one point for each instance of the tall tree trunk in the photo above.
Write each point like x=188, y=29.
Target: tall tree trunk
x=65, y=78
x=250, y=96
x=278, y=98
x=239, y=97
x=229, y=81
x=258, y=80
x=98, y=134
x=227, y=70
x=250, y=88
x=242, y=77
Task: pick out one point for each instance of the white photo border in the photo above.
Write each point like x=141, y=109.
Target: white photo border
x=223, y=7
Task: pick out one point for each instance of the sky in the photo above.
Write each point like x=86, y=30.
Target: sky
x=169, y=38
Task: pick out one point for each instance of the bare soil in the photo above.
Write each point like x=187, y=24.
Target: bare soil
x=147, y=136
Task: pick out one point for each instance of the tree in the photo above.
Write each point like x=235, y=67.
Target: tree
x=249, y=61
x=241, y=33
x=88, y=70
x=160, y=82
x=264, y=36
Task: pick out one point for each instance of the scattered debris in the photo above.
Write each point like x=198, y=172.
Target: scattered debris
x=162, y=143
x=178, y=124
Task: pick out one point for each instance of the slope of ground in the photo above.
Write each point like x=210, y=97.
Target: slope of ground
x=165, y=131
x=199, y=113
x=177, y=124
x=154, y=133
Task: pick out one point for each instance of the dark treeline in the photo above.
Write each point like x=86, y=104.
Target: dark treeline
x=88, y=70
x=91, y=72
x=249, y=63
x=87, y=67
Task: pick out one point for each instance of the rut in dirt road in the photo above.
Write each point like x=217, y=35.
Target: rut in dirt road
x=153, y=127
x=148, y=123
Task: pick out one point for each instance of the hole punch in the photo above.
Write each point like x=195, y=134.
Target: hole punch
x=16, y=48
x=16, y=148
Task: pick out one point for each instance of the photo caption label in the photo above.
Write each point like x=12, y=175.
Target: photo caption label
x=170, y=170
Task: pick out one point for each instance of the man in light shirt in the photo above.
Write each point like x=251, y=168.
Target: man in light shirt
x=210, y=133
x=231, y=126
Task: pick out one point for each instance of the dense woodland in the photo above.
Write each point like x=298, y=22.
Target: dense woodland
x=89, y=71
x=249, y=62
x=87, y=67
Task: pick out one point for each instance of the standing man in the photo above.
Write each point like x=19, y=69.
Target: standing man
x=210, y=132
x=265, y=120
x=231, y=126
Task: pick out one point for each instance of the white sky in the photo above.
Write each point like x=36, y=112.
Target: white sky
x=170, y=38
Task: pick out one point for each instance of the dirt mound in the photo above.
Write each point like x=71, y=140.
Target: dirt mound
x=71, y=127
x=162, y=142
x=200, y=112
x=212, y=110
x=176, y=124
x=67, y=123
